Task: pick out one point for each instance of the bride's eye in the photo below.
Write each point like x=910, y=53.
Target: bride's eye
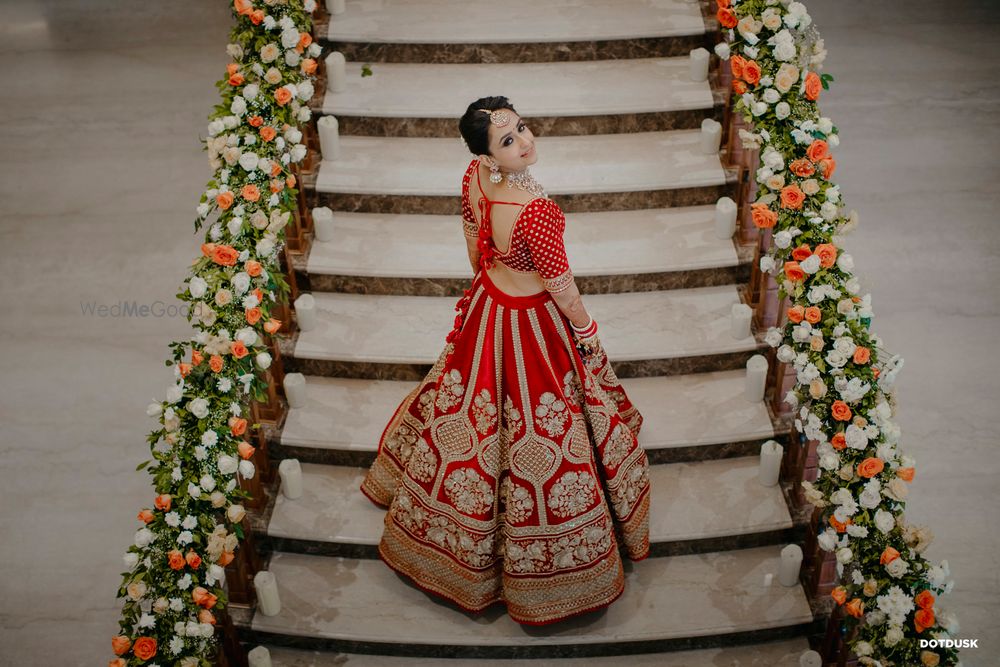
x=520, y=128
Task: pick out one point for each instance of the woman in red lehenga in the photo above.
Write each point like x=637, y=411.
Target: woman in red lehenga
x=512, y=472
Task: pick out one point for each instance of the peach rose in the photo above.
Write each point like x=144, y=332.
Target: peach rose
x=193, y=559
x=290, y=180
x=739, y=86
x=861, y=355
x=792, y=196
x=216, y=363
x=795, y=313
x=763, y=217
x=856, y=607
x=146, y=516
x=267, y=133
x=813, y=86
x=203, y=598
x=245, y=449
x=828, y=165
x=162, y=502
x=727, y=17
x=888, y=555
x=813, y=314
x=226, y=558
x=117, y=662
x=224, y=200
x=175, y=559
x=282, y=96
x=751, y=71
x=802, y=167
x=120, y=644
x=250, y=192
x=253, y=315
x=305, y=39
x=923, y=619
x=196, y=356
x=793, y=271
x=144, y=648
x=272, y=325
x=839, y=441
x=276, y=185
x=242, y=7
x=736, y=63
x=870, y=467
x=253, y=268
x=237, y=425
x=205, y=616
x=905, y=474
x=839, y=594
x=257, y=16
x=225, y=255
x=827, y=253
x=817, y=150
x=840, y=411
x=275, y=169
x=238, y=349
x=255, y=121
x=924, y=599
x=786, y=77
x=184, y=369
x=308, y=66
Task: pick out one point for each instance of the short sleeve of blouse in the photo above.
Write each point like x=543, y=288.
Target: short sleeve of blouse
x=544, y=227
x=469, y=226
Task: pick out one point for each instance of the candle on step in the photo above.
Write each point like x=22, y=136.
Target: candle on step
x=810, y=658
x=295, y=389
x=698, y=64
x=267, y=593
x=305, y=312
x=791, y=563
x=711, y=136
x=323, y=223
x=291, y=478
x=336, y=72
x=740, y=320
x=769, y=468
x=329, y=137
x=335, y=6
x=259, y=657
x=725, y=218
x=756, y=378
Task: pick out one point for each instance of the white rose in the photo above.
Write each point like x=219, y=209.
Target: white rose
x=783, y=238
x=771, y=95
x=828, y=211
x=269, y=52
x=845, y=262
x=197, y=287
x=250, y=91
x=722, y=50
x=143, y=537
x=782, y=110
x=235, y=225
x=215, y=127
x=241, y=282
x=249, y=160
x=845, y=555
x=227, y=464
x=298, y=152
x=784, y=51
x=292, y=58
x=265, y=246
x=884, y=521
x=897, y=567
x=198, y=407
x=306, y=91
x=811, y=264
x=289, y=37
x=239, y=106
x=202, y=209
x=264, y=360
x=246, y=469
x=207, y=482
x=194, y=491
x=766, y=263
x=235, y=513
x=154, y=410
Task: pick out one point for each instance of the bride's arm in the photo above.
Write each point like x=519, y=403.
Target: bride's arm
x=546, y=224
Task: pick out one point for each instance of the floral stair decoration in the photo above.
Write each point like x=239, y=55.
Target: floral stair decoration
x=888, y=592
x=175, y=568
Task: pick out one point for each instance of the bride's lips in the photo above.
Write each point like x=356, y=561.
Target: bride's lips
x=529, y=152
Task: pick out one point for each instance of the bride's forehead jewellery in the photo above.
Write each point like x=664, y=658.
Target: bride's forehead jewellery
x=499, y=117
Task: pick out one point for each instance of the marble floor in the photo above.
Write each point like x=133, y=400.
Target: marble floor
x=100, y=169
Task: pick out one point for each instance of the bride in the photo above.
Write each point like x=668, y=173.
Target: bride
x=512, y=472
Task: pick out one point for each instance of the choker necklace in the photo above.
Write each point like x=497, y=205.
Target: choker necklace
x=525, y=181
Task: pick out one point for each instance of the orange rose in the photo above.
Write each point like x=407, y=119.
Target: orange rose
x=813, y=314
x=255, y=121
x=162, y=502
x=875, y=373
x=253, y=268
x=856, y=607
x=224, y=200
x=924, y=599
x=238, y=349
x=242, y=6
x=196, y=356
x=727, y=17
x=236, y=79
x=276, y=185
x=226, y=558
x=257, y=16
x=751, y=71
x=813, y=86
x=184, y=369
x=207, y=249
x=282, y=96
x=905, y=474
x=275, y=168
x=838, y=440
x=253, y=314
x=839, y=594
x=827, y=254
x=203, y=598
x=237, y=425
x=763, y=217
x=888, y=555
x=739, y=86
x=193, y=559
x=840, y=411
x=802, y=167
x=793, y=271
x=870, y=467
x=801, y=252
x=117, y=662
x=796, y=313
x=267, y=133
x=828, y=165
x=120, y=644
x=290, y=180
x=175, y=559
x=722, y=4
x=205, y=616
x=792, y=196
x=817, y=150
x=736, y=66
x=308, y=66
x=246, y=449
x=861, y=355
x=839, y=526
x=145, y=648
x=216, y=363
x=257, y=293
x=305, y=39
x=232, y=68
x=250, y=192
x=923, y=619
x=225, y=255
x=146, y=516
x=272, y=325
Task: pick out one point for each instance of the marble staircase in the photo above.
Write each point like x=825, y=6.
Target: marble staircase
x=606, y=88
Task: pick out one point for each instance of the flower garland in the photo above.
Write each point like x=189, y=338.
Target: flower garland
x=843, y=390
x=175, y=568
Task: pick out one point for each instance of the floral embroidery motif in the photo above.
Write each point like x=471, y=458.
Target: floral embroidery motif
x=484, y=410
x=629, y=489
x=423, y=463
x=469, y=548
x=400, y=442
x=426, y=404
x=546, y=555
x=512, y=418
x=468, y=491
x=618, y=446
x=452, y=390
x=551, y=414
x=571, y=388
x=572, y=494
x=518, y=501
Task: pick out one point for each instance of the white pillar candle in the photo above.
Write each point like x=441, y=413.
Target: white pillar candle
x=769, y=468
x=336, y=72
x=323, y=223
x=725, y=218
x=755, y=379
x=291, y=478
x=698, y=64
x=711, y=136
x=329, y=137
x=335, y=6
x=267, y=593
x=259, y=657
x=295, y=389
x=740, y=320
x=810, y=658
x=791, y=563
x=305, y=312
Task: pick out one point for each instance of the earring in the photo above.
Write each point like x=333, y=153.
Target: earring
x=495, y=175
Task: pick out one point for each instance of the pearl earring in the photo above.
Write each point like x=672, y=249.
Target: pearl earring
x=495, y=175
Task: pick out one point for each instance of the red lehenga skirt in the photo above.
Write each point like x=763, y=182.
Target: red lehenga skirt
x=508, y=478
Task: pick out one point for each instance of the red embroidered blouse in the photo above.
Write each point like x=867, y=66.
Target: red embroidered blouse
x=536, y=237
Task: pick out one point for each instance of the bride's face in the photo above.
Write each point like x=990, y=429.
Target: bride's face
x=513, y=146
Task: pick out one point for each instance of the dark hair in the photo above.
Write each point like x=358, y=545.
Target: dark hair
x=475, y=125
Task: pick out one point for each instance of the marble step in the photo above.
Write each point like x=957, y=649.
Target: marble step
x=424, y=99
x=680, y=602
x=418, y=254
x=782, y=653
x=457, y=31
x=584, y=172
x=688, y=417
x=695, y=507
x=383, y=336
